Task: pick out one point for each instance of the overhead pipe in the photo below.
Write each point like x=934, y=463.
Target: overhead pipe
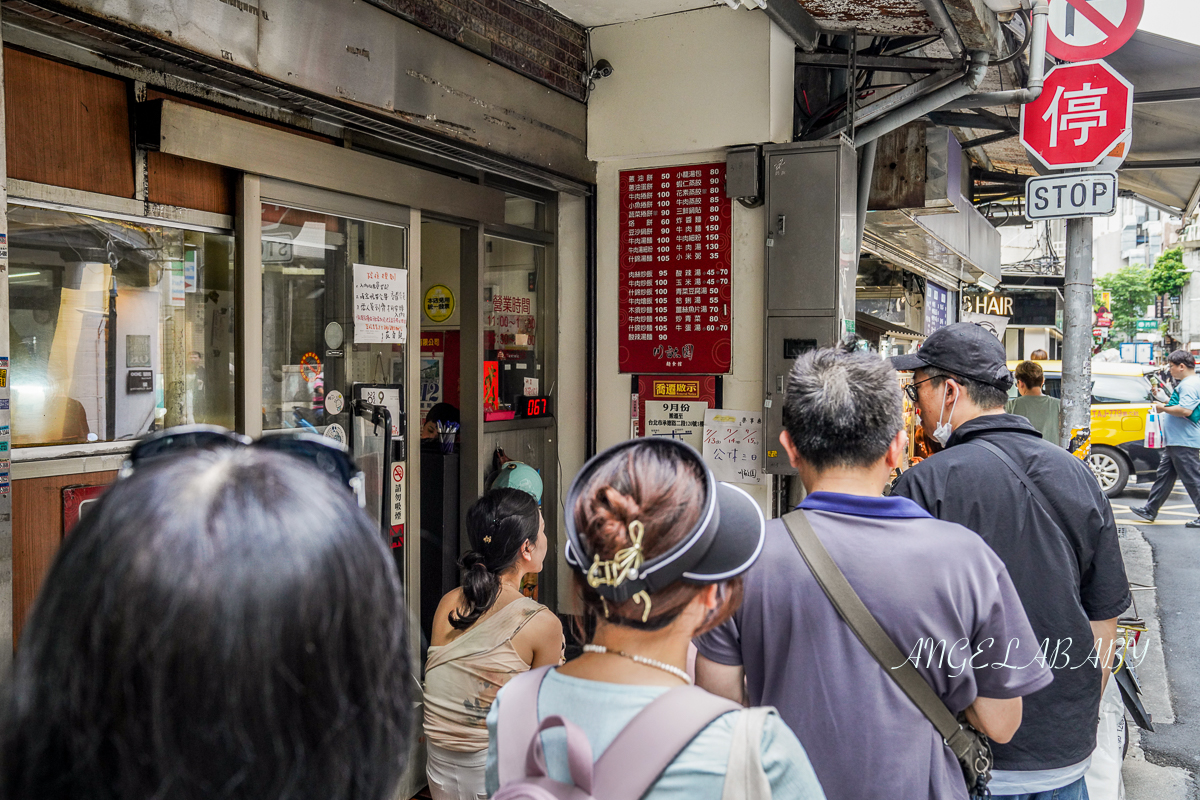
x=1037, y=70
x=918, y=108
x=795, y=22
x=941, y=20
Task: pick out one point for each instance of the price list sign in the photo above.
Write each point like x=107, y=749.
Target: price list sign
x=675, y=271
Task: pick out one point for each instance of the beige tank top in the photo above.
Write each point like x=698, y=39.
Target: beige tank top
x=463, y=677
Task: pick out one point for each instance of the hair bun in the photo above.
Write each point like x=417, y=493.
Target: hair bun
x=472, y=559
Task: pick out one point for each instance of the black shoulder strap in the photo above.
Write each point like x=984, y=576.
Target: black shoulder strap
x=873, y=637
x=1038, y=496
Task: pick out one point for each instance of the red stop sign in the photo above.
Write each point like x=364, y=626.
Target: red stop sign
x=1084, y=111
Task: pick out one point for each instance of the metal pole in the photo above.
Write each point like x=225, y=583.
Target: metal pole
x=1077, y=334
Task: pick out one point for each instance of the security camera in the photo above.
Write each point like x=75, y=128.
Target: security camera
x=601, y=69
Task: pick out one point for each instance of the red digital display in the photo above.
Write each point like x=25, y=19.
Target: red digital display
x=675, y=259
x=533, y=407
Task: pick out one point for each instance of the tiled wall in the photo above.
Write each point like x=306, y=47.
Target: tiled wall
x=523, y=35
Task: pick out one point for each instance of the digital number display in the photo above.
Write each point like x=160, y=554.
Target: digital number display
x=533, y=407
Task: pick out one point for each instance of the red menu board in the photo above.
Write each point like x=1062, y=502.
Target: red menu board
x=675, y=261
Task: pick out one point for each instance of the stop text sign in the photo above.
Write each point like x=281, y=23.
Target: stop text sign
x=1084, y=111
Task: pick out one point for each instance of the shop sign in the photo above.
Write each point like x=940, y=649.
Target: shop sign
x=433, y=342
x=380, y=305
x=733, y=445
x=439, y=303
x=1104, y=318
x=675, y=262
x=992, y=304
x=1147, y=325
x=937, y=307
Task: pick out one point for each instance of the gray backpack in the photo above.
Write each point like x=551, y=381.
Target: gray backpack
x=626, y=770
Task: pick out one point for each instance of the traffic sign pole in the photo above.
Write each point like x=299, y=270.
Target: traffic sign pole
x=1077, y=334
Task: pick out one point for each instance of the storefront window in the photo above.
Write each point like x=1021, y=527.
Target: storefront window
x=309, y=344
x=117, y=328
x=513, y=341
x=524, y=212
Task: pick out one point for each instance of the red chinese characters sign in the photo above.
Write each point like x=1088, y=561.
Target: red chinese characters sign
x=675, y=271
x=1084, y=112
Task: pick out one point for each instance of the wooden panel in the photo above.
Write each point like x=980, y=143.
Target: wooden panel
x=176, y=181
x=37, y=530
x=67, y=126
x=900, y=167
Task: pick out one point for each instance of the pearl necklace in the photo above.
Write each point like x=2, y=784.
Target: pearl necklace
x=649, y=662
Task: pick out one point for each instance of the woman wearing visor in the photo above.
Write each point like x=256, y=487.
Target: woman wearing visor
x=657, y=546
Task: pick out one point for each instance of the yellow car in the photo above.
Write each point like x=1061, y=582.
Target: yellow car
x=1120, y=399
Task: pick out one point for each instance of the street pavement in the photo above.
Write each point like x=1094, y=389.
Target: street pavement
x=1164, y=765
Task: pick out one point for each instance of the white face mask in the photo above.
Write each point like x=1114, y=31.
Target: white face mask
x=941, y=432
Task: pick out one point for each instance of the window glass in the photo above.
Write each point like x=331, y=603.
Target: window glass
x=1120, y=389
x=524, y=212
x=117, y=328
x=308, y=335
x=513, y=340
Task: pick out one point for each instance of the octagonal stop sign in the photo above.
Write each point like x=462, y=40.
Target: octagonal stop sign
x=1084, y=111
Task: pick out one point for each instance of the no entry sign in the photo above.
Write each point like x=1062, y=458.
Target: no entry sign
x=1071, y=195
x=1083, y=112
x=1083, y=30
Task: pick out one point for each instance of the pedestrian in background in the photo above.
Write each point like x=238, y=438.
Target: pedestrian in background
x=220, y=624
x=484, y=634
x=1042, y=511
x=657, y=546
x=936, y=590
x=1039, y=355
x=1042, y=411
x=1181, y=432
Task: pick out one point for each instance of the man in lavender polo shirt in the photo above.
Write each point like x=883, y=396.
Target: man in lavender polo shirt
x=935, y=587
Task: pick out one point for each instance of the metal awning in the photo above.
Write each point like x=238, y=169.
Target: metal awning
x=885, y=327
x=1164, y=161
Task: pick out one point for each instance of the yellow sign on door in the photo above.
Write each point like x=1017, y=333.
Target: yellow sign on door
x=439, y=303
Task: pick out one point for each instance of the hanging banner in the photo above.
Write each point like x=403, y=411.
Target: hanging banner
x=675, y=257
x=380, y=305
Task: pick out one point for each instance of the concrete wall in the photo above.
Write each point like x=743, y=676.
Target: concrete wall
x=570, y=396
x=690, y=82
x=684, y=88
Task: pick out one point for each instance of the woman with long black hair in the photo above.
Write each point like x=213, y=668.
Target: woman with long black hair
x=484, y=633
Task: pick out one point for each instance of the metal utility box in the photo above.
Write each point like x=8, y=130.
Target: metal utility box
x=811, y=191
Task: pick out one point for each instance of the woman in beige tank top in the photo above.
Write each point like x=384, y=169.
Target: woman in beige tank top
x=484, y=634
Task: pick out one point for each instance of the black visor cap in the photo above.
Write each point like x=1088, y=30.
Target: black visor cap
x=724, y=543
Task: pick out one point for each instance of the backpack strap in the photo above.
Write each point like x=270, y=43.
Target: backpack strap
x=653, y=739
x=518, y=723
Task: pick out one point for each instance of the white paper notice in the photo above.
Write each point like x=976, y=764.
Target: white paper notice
x=675, y=420
x=380, y=305
x=733, y=445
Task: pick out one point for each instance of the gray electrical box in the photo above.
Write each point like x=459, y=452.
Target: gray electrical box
x=811, y=190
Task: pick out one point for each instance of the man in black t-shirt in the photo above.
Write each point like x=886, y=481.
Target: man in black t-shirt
x=1064, y=560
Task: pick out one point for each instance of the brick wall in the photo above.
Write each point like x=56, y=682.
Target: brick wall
x=523, y=35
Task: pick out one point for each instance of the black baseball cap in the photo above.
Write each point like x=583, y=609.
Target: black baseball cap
x=965, y=349
x=723, y=544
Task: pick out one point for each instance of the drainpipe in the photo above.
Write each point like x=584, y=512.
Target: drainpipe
x=1037, y=70
x=945, y=26
x=930, y=102
x=866, y=170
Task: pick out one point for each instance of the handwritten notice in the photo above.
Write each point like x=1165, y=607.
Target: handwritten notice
x=380, y=305
x=733, y=445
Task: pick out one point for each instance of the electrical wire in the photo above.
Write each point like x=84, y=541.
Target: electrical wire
x=1024, y=44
